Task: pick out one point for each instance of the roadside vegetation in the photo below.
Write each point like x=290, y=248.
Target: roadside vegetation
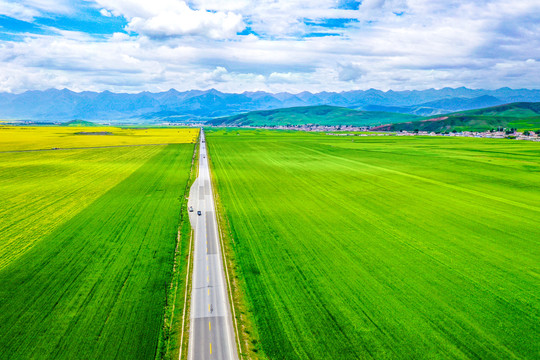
x=384, y=247
x=87, y=244
x=244, y=323
x=174, y=337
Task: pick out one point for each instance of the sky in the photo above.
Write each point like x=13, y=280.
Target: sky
x=269, y=45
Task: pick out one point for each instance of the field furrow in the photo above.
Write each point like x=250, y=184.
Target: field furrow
x=93, y=284
x=384, y=248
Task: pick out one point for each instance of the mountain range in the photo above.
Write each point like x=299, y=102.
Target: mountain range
x=197, y=105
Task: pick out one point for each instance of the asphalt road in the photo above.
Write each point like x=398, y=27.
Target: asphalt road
x=211, y=333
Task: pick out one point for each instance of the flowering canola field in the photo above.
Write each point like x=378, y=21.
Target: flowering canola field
x=48, y=137
x=87, y=239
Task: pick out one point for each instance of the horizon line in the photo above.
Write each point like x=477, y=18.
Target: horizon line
x=267, y=92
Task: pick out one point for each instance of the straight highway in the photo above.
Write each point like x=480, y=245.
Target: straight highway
x=211, y=333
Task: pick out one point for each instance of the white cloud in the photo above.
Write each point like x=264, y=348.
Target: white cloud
x=217, y=75
x=27, y=10
x=372, y=4
x=105, y=12
x=350, y=72
x=432, y=44
x=169, y=18
x=17, y=11
x=212, y=25
x=285, y=78
x=119, y=36
x=222, y=5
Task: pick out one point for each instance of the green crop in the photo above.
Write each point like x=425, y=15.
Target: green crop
x=384, y=247
x=42, y=190
x=87, y=240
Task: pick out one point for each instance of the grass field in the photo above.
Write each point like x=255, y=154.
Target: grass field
x=384, y=247
x=467, y=123
x=521, y=116
x=48, y=137
x=87, y=246
x=321, y=115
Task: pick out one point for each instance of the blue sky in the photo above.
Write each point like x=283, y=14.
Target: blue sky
x=272, y=45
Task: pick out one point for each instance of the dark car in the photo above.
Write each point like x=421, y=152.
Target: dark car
x=199, y=213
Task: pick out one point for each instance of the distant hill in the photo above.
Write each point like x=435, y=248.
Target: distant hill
x=440, y=106
x=199, y=105
x=514, y=110
x=320, y=115
x=79, y=123
x=522, y=116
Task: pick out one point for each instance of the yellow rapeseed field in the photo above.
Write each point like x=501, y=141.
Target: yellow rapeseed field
x=89, y=221
x=45, y=137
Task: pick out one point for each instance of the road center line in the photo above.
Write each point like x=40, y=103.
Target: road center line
x=218, y=305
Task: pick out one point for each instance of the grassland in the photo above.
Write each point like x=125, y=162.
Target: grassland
x=36, y=138
x=320, y=115
x=87, y=245
x=384, y=247
x=79, y=123
x=521, y=116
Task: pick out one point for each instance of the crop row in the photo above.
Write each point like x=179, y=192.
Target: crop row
x=94, y=286
x=384, y=247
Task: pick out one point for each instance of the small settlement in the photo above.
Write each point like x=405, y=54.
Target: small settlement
x=365, y=131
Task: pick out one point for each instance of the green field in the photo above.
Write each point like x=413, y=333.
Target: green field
x=87, y=246
x=319, y=115
x=521, y=116
x=79, y=123
x=408, y=248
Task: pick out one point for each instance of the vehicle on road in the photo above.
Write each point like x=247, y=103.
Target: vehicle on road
x=199, y=213
x=191, y=209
